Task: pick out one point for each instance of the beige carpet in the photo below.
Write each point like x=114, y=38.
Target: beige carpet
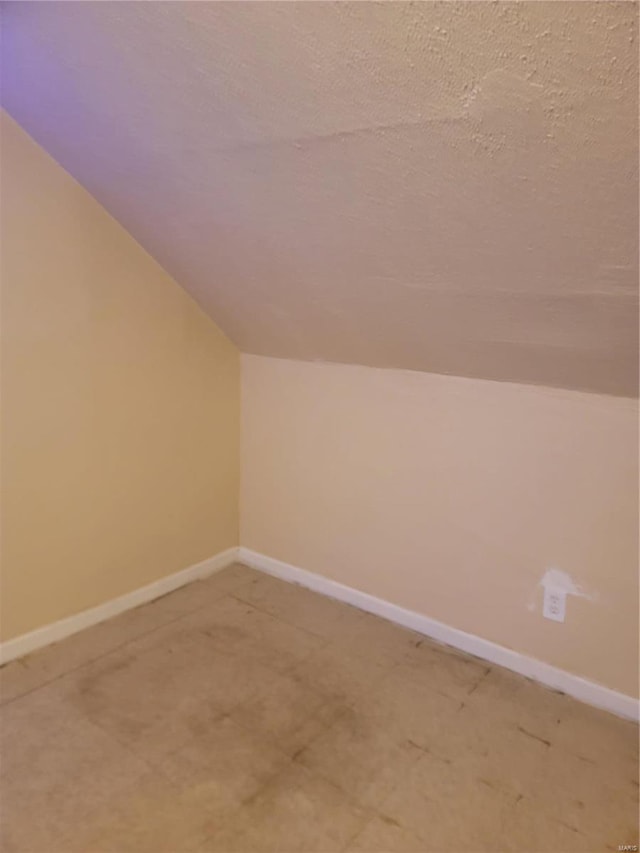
x=245, y=714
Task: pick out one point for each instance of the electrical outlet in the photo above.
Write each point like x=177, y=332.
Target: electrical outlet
x=555, y=604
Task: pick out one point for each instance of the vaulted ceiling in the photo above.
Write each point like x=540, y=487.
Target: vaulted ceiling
x=446, y=187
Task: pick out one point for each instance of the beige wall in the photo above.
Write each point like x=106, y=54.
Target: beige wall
x=448, y=496
x=120, y=405
x=452, y=497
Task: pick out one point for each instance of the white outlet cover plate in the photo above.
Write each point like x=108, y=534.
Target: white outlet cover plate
x=555, y=603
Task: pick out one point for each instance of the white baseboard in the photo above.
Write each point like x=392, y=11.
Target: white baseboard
x=56, y=631
x=551, y=676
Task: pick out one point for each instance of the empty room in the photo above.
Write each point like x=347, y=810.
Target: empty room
x=319, y=387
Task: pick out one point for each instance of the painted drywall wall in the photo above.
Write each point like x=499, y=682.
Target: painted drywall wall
x=454, y=498
x=120, y=402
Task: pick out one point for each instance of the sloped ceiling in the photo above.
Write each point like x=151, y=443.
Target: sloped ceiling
x=446, y=187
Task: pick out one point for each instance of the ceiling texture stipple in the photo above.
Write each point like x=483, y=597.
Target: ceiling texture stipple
x=446, y=187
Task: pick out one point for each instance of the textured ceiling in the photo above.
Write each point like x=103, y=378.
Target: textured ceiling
x=447, y=187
